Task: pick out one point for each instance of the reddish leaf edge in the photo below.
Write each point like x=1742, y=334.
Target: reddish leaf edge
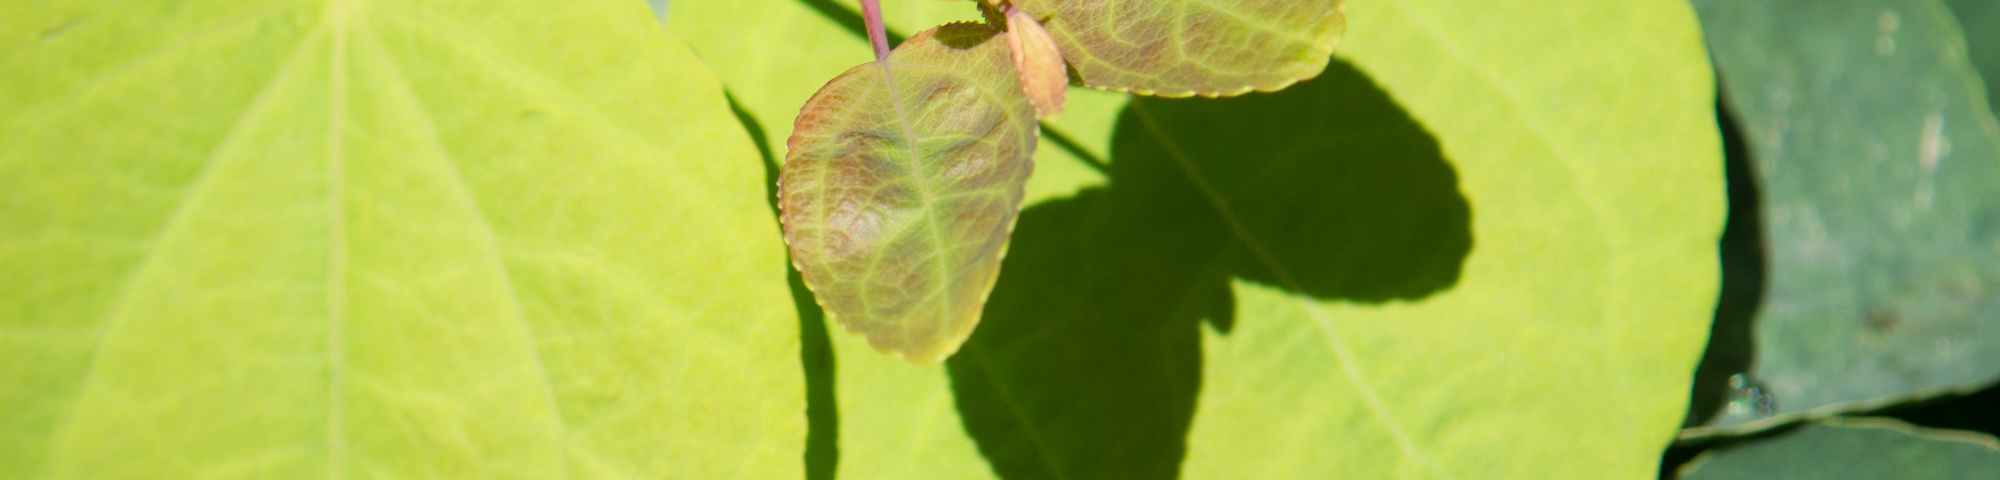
x=1340, y=16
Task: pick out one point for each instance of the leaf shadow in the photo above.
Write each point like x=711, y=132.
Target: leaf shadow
x=822, y=445
x=1088, y=360
x=1744, y=252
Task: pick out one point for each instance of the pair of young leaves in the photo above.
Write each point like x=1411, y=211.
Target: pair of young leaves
x=903, y=176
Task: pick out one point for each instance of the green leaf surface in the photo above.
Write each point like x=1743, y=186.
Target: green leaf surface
x=901, y=184
x=351, y=239
x=1877, y=159
x=1858, y=449
x=1181, y=48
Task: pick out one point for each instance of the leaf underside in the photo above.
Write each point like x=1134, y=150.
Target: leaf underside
x=902, y=181
x=1183, y=48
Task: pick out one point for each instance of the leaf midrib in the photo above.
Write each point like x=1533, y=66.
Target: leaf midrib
x=334, y=28
x=923, y=185
x=463, y=190
x=336, y=287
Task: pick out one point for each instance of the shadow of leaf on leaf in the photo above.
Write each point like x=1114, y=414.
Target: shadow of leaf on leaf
x=1088, y=361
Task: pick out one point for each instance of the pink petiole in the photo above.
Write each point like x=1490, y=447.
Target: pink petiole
x=878, y=36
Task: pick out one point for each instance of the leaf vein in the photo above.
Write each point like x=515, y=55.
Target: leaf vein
x=1539, y=128
x=516, y=309
x=148, y=259
x=1014, y=408
x=336, y=292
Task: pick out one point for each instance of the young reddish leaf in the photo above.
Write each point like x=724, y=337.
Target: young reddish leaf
x=1177, y=48
x=1043, y=74
x=901, y=185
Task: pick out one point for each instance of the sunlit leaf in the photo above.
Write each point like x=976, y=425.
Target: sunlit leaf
x=425, y=239
x=1857, y=449
x=1877, y=160
x=1180, y=48
x=901, y=184
x=1583, y=139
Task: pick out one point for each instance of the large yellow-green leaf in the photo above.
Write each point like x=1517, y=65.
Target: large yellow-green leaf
x=1877, y=161
x=1509, y=233
x=435, y=239
x=1181, y=48
x=900, y=187
x=1858, y=449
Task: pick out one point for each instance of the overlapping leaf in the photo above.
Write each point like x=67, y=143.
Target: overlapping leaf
x=349, y=239
x=901, y=184
x=1877, y=160
x=1180, y=48
x=923, y=308
x=773, y=64
x=1858, y=449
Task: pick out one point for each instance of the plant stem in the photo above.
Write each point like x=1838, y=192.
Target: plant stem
x=878, y=36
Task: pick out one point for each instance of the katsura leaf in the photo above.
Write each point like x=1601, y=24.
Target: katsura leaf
x=1176, y=48
x=901, y=184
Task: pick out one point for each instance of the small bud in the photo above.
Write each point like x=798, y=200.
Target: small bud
x=1044, y=77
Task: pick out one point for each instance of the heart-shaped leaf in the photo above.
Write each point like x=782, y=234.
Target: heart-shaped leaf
x=901, y=185
x=1178, y=48
x=343, y=239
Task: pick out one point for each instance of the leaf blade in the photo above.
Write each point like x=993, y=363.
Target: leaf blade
x=898, y=222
